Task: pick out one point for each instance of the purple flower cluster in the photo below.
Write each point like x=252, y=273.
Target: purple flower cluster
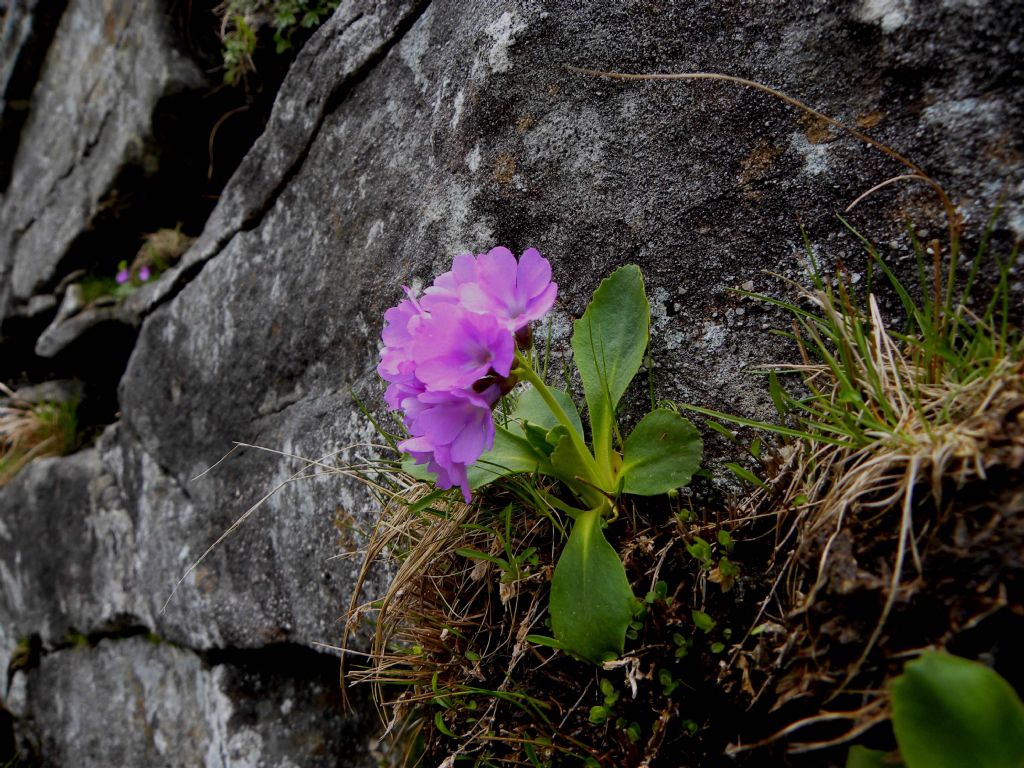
x=448, y=355
x=124, y=274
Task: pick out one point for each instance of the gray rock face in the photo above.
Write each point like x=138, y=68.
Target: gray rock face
x=168, y=706
x=405, y=133
x=90, y=124
x=27, y=32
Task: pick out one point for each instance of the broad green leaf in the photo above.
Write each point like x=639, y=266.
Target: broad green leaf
x=418, y=471
x=510, y=454
x=949, y=712
x=555, y=435
x=861, y=757
x=699, y=549
x=531, y=408
x=568, y=466
x=591, y=600
x=608, y=344
x=660, y=454
x=537, y=437
x=440, y=725
x=566, y=460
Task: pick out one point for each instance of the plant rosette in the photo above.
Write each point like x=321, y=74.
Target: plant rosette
x=451, y=354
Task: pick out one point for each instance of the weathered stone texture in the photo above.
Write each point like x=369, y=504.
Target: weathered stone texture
x=409, y=132
x=136, y=702
x=90, y=122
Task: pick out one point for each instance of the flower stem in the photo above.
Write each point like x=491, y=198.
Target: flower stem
x=524, y=371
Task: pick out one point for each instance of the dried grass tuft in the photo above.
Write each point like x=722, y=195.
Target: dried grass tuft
x=944, y=442
x=31, y=430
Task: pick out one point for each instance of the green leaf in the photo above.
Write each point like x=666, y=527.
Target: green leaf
x=537, y=437
x=418, y=471
x=439, y=724
x=591, y=600
x=724, y=431
x=949, y=712
x=862, y=757
x=660, y=454
x=699, y=549
x=510, y=454
x=608, y=344
x=567, y=465
x=544, y=640
x=704, y=622
x=777, y=393
x=531, y=408
x=744, y=474
x=475, y=554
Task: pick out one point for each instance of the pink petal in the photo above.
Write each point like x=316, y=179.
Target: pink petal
x=473, y=298
x=532, y=275
x=496, y=272
x=469, y=444
x=464, y=268
x=540, y=305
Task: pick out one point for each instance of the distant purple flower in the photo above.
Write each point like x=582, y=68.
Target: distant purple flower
x=123, y=276
x=516, y=292
x=450, y=431
x=453, y=349
x=144, y=274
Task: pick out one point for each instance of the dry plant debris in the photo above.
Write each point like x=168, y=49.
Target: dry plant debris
x=29, y=430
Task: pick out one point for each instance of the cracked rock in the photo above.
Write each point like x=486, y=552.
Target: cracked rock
x=142, y=702
x=89, y=123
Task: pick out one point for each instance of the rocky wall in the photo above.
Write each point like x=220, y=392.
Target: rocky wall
x=405, y=133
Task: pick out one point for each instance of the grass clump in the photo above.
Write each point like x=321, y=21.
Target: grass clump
x=30, y=430
x=897, y=489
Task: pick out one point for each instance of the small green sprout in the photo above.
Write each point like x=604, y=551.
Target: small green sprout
x=668, y=685
x=682, y=645
x=700, y=550
x=659, y=594
x=704, y=622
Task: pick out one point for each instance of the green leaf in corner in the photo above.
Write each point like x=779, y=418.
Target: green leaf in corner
x=949, y=712
x=531, y=408
x=510, y=454
x=591, y=600
x=660, y=454
x=608, y=344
